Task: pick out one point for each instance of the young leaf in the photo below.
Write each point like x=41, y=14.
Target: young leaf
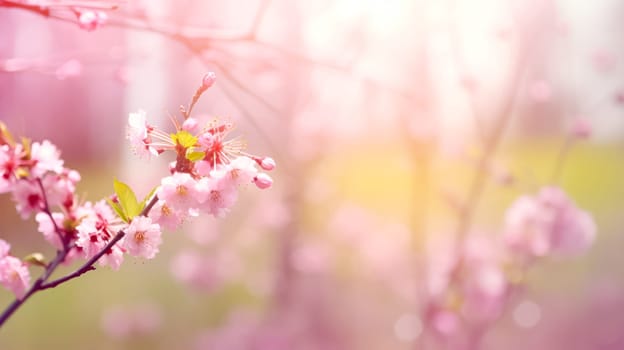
x=117, y=210
x=194, y=156
x=147, y=198
x=127, y=199
x=36, y=259
x=184, y=139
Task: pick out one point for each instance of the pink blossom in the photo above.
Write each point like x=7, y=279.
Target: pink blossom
x=14, y=275
x=96, y=227
x=59, y=189
x=90, y=237
x=137, y=134
x=546, y=223
x=46, y=227
x=481, y=287
x=180, y=192
x=46, y=157
x=9, y=161
x=166, y=216
x=242, y=170
x=220, y=192
x=27, y=197
x=142, y=237
x=113, y=257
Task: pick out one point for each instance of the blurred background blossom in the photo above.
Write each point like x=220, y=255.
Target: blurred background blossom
x=378, y=115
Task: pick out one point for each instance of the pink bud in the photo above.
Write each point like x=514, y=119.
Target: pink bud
x=208, y=80
x=267, y=163
x=191, y=125
x=263, y=181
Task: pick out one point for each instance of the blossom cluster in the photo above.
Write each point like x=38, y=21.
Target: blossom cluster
x=204, y=178
x=40, y=185
x=472, y=282
x=207, y=172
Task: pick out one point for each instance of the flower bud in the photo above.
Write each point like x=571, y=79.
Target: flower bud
x=208, y=80
x=267, y=163
x=263, y=181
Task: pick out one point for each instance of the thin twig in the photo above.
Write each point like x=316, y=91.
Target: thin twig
x=40, y=284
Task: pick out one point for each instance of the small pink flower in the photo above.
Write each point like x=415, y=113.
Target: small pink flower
x=14, y=275
x=46, y=157
x=242, y=170
x=46, y=227
x=113, y=257
x=221, y=194
x=9, y=161
x=138, y=134
x=180, y=192
x=90, y=237
x=142, y=237
x=59, y=189
x=166, y=216
x=548, y=223
x=27, y=197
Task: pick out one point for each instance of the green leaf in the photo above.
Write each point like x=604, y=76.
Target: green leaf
x=184, y=139
x=117, y=210
x=36, y=259
x=127, y=199
x=194, y=156
x=147, y=198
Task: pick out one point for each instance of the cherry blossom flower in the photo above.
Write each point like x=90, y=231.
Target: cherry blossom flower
x=166, y=216
x=180, y=192
x=9, y=161
x=221, y=194
x=242, y=170
x=548, y=223
x=48, y=229
x=14, y=274
x=27, y=197
x=91, y=238
x=142, y=237
x=113, y=257
x=46, y=157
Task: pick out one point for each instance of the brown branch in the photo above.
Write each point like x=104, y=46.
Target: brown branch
x=40, y=284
